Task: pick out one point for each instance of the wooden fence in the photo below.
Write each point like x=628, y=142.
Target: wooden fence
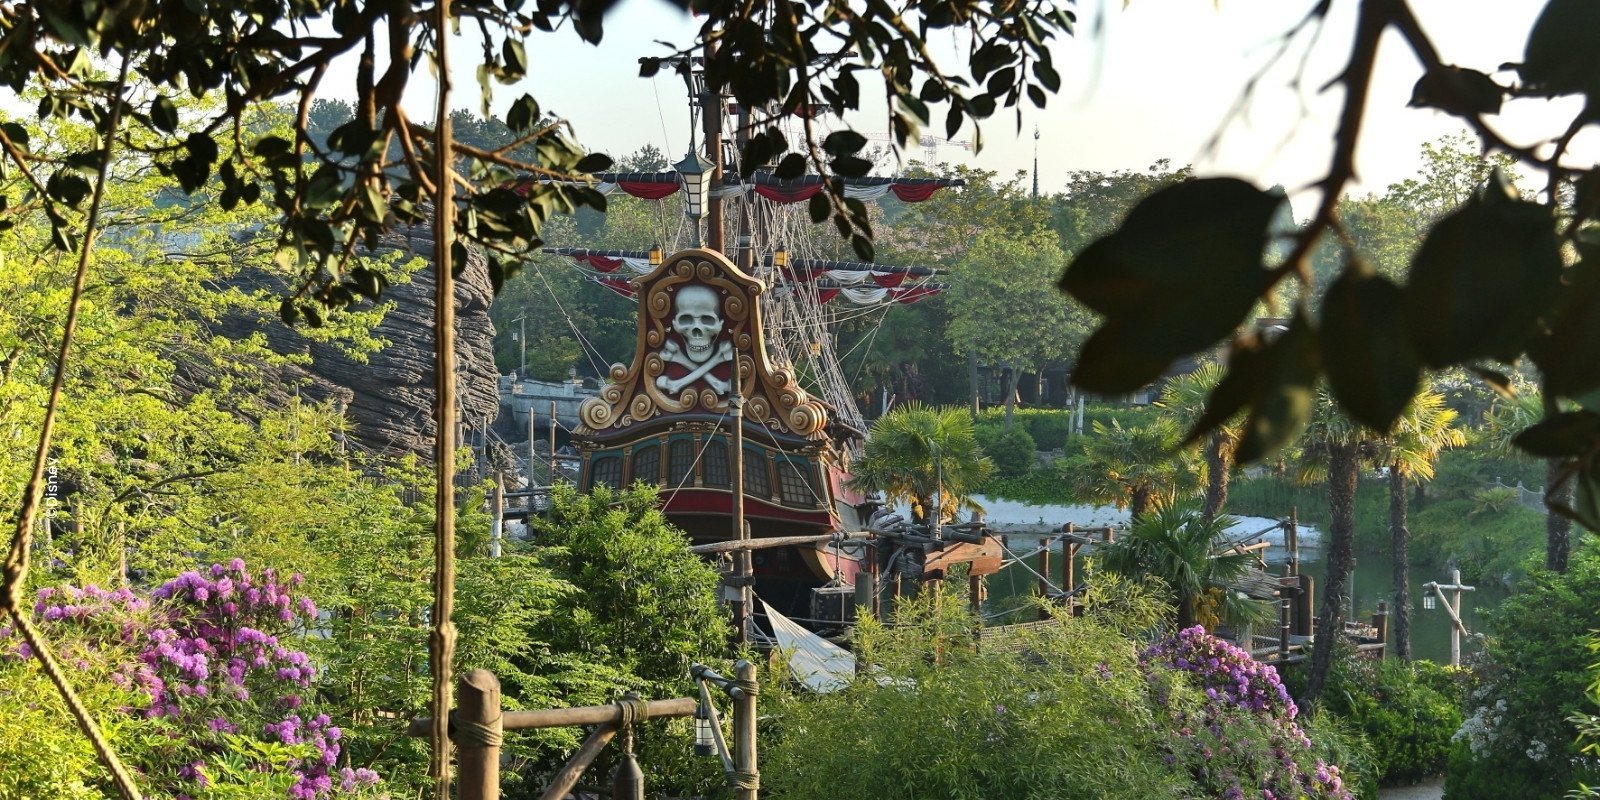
x=478, y=723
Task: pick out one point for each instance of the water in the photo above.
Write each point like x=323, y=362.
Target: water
x=1374, y=572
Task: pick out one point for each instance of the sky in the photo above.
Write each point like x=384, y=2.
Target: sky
x=1142, y=81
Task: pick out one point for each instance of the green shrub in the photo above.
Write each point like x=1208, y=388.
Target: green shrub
x=1490, y=543
x=1051, y=427
x=1518, y=740
x=1406, y=711
x=1462, y=472
x=1011, y=451
x=1079, y=710
x=1038, y=487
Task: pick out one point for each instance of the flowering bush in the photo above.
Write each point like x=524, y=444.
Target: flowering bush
x=1243, y=739
x=219, y=698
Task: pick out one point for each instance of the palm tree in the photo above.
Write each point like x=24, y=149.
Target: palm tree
x=1507, y=419
x=1186, y=396
x=1334, y=443
x=924, y=456
x=1425, y=429
x=1187, y=550
x=1137, y=468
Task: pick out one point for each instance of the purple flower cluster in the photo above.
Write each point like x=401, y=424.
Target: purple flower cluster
x=1244, y=740
x=1227, y=673
x=212, y=663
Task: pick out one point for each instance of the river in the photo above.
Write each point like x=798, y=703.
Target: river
x=1430, y=629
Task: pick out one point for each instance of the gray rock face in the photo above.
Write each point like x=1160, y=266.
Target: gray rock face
x=389, y=399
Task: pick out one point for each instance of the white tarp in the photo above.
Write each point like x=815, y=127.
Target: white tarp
x=818, y=663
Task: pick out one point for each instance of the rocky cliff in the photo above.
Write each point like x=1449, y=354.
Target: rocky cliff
x=389, y=399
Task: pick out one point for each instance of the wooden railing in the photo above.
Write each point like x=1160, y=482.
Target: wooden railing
x=478, y=723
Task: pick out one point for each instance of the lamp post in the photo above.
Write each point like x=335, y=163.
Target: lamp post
x=696, y=174
x=521, y=337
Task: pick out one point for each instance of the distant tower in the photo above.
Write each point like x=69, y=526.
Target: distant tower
x=1036, y=161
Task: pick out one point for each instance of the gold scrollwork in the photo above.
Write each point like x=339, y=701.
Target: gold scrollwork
x=641, y=409
x=595, y=413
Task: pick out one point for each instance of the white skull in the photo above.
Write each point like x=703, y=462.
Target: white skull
x=698, y=320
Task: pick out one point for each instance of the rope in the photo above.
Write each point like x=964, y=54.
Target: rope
x=1024, y=565
x=631, y=708
x=747, y=780
x=467, y=733
x=15, y=569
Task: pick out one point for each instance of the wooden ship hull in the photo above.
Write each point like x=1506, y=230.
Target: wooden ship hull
x=667, y=419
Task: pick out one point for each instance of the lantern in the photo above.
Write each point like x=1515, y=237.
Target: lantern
x=704, y=744
x=696, y=174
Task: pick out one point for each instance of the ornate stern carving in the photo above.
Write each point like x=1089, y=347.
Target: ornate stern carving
x=700, y=330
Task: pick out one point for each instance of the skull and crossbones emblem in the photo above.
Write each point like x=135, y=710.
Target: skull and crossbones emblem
x=697, y=319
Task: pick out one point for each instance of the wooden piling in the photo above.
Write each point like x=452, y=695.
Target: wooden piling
x=747, y=776
x=476, y=731
x=497, y=525
x=1380, y=622
x=1044, y=578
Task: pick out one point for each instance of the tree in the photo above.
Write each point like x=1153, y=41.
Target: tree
x=1186, y=396
x=997, y=310
x=1508, y=420
x=1425, y=430
x=1189, y=552
x=1335, y=443
x=1489, y=284
x=1140, y=468
x=923, y=455
x=1093, y=203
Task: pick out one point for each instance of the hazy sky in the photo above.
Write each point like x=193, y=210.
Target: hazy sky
x=1147, y=80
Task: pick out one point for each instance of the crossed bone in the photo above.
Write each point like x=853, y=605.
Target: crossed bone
x=672, y=354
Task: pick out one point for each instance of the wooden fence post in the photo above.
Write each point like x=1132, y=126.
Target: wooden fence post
x=1044, y=578
x=747, y=776
x=477, y=729
x=1380, y=621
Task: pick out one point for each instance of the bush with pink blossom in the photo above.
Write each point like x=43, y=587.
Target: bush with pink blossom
x=208, y=696
x=1242, y=738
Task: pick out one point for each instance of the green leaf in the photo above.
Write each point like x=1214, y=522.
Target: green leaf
x=1497, y=380
x=17, y=134
x=593, y=162
x=1457, y=90
x=523, y=114
x=1247, y=372
x=1372, y=370
x=67, y=187
x=1480, y=282
x=1284, y=405
x=268, y=146
x=372, y=204
x=1564, y=434
x=790, y=167
x=1179, y=275
x=201, y=147
x=863, y=247
x=818, y=208
x=1566, y=355
x=851, y=166
x=843, y=142
x=1560, y=57
x=1047, y=76
x=516, y=58
x=163, y=114
x=1586, y=497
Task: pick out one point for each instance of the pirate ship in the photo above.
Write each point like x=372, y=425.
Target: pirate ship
x=705, y=412
x=734, y=401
